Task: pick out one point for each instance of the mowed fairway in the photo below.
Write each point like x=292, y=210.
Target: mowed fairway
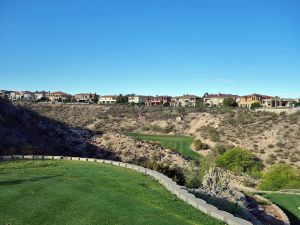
x=290, y=204
x=47, y=192
x=179, y=144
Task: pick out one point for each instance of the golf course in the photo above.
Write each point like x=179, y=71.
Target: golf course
x=45, y=192
x=290, y=204
x=180, y=144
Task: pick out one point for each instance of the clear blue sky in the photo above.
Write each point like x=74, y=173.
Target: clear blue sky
x=151, y=46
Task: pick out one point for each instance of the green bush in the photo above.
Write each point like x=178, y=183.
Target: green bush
x=280, y=176
x=255, y=105
x=193, y=176
x=199, y=145
x=240, y=161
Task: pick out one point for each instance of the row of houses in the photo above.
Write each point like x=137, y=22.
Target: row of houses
x=208, y=100
x=48, y=96
x=248, y=101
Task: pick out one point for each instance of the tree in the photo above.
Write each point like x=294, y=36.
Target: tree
x=240, y=160
x=199, y=103
x=255, y=105
x=122, y=99
x=280, y=176
x=229, y=102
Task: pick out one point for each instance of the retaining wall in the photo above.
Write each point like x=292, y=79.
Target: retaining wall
x=168, y=183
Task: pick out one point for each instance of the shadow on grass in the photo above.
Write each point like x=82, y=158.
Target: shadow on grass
x=22, y=181
x=294, y=220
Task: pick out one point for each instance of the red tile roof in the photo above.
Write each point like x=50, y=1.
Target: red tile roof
x=221, y=96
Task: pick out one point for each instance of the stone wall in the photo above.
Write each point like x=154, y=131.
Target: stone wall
x=167, y=182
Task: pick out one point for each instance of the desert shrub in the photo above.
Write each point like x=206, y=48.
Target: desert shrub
x=169, y=128
x=211, y=133
x=181, y=111
x=199, y=145
x=280, y=176
x=249, y=183
x=174, y=172
x=193, y=176
x=240, y=161
x=146, y=128
x=156, y=128
x=294, y=118
x=280, y=144
x=294, y=159
x=271, y=159
x=282, y=114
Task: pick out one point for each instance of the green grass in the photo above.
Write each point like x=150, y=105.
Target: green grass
x=48, y=192
x=180, y=144
x=288, y=203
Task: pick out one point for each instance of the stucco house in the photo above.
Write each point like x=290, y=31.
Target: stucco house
x=38, y=95
x=185, y=101
x=139, y=99
x=15, y=95
x=247, y=100
x=27, y=95
x=159, y=100
x=211, y=100
x=58, y=96
x=278, y=102
x=107, y=99
x=86, y=97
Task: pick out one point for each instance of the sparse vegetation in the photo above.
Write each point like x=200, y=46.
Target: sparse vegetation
x=211, y=133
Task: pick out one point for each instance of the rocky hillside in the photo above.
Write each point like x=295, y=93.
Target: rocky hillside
x=272, y=137
x=27, y=132
x=50, y=130
x=138, y=152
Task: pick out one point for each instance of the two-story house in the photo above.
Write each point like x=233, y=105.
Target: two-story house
x=139, y=99
x=159, y=100
x=247, y=100
x=211, y=100
x=40, y=95
x=58, y=96
x=27, y=95
x=185, y=101
x=278, y=102
x=86, y=97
